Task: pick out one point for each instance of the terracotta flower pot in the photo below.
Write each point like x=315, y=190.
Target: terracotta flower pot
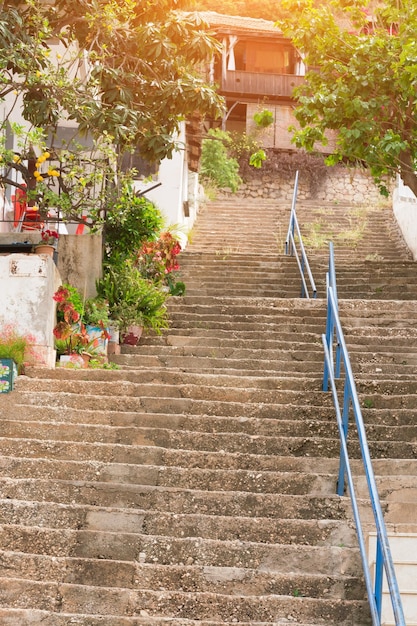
x=133, y=335
x=45, y=248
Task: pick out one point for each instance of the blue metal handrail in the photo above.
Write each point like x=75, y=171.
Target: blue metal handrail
x=291, y=248
x=334, y=333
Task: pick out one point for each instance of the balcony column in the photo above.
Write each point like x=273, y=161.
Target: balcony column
x=228, y=55
x=232, y=42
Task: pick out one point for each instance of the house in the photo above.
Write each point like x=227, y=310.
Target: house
x=259, y=68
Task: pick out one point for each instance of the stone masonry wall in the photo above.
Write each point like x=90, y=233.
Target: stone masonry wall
x=337, y=184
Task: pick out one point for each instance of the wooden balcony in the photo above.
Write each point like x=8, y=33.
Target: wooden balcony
x=256, y=84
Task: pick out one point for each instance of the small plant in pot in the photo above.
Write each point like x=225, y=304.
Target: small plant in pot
x=71, y=335
x=48, y=242
x=157, y=260
x=132, y=299
x=96, y=313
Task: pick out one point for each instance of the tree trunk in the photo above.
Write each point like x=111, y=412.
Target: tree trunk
x=407, y=171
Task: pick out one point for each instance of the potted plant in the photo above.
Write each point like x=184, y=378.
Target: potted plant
x=96, y=318
x=48, y=242
x=132, y=299
x=158, y=261
x=96, y=312
x=71, y=337
x=74, y=345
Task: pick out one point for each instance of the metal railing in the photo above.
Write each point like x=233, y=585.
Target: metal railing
x=336, y=355
x=294, y=237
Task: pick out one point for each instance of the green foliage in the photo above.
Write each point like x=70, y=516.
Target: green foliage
x=15, y=346
x=137, y=82
x=133, y=299
x=130, y=222
x=96, y=312
x=68, y=298
x=365, y=89
x=257, y=158
x=216, y=166
x=263, y=118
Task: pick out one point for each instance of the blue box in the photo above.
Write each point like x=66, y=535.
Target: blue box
x=8, y=374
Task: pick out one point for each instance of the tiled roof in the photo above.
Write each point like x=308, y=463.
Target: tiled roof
x=236, y=23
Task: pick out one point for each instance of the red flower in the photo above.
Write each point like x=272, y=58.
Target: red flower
x=61, y=295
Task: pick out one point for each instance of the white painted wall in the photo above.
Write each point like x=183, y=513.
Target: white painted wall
x=27, y=284
x=405, y=211
x=178, y=185
x=404, y=554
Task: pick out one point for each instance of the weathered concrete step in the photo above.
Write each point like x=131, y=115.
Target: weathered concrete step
x=141, y=427
x=398, y=487
x=226, y=338
x=361, y=313
x=156, y=381
x=190, y=440
x=77, y=598
x=216, y=527
x=146, y=454
x=394, y=412
x=230, y=367
x=176, y=501
x=225, y=343
x=196, y=478
x=152, y=383
x=206, y=579
x=17, y=617
x=178, y=404
x=248, y=323
x=280, y=558
x=282, y=444
x=291, y=341
x=293, y=290
x=279, y=273
x=387, y=387
x=263, y=424
x=290, y=291
x=304, y=309
x=286, y=323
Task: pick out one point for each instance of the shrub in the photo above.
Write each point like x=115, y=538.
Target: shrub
x=216, y=166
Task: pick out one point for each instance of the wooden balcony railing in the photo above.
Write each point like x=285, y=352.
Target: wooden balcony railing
x=251, y=83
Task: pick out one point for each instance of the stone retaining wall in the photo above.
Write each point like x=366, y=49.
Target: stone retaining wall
x=336, y=185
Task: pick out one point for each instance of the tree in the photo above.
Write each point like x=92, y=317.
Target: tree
x=125, y=73
x=362, y=82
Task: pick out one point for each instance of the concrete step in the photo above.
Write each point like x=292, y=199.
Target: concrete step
x=176, y=501
x=116, y=602
x=190, y=578
x=72, y=516
x=17, y=617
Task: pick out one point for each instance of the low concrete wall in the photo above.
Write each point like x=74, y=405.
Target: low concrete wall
x=80, y=261
x=405, y=211
x=79, y=258
x=27, y=284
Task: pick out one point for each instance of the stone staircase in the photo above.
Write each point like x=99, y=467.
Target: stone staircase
x=196, y=484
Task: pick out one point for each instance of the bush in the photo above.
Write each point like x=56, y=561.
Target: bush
x=133, y=299
x=131, y=221
x=216, y=166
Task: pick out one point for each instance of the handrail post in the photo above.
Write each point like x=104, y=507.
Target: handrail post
x=379, y=575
